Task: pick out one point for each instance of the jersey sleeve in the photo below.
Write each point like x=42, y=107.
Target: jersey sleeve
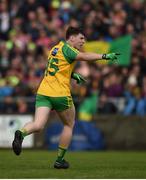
x=69, y=53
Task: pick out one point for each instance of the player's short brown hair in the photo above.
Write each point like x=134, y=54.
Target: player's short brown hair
x=73, y=31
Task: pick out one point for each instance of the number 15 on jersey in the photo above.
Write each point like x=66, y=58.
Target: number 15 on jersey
x=52, y=67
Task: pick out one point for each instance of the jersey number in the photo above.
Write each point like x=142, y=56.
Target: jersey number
x=52, y=67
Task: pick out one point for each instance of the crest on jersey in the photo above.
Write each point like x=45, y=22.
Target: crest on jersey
x=54, y=52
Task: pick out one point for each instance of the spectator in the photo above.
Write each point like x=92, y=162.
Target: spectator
x=112, y=85
x=4, y=20
x=141, y=104
x=131, y=94
x=106, y=106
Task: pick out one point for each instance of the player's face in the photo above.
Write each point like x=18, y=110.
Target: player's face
x=78, y=41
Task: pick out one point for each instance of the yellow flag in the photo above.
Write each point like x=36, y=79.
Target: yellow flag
x=99, y=47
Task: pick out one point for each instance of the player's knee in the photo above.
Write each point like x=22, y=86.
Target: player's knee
x=71, y=124
x=38, y=127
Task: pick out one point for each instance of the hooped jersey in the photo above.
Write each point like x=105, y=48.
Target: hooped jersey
x=56, y=81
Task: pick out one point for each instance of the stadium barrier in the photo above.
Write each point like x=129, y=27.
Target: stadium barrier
x=123, y=132
x=8, y=125
x=113, y=132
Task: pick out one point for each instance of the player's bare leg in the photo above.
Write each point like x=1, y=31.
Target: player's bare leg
x=40, y=119
x=68, y=119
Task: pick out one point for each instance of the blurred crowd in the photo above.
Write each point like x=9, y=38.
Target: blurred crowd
x=29, y=28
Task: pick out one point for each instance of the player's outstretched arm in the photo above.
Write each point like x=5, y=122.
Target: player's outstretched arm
x=94, y=57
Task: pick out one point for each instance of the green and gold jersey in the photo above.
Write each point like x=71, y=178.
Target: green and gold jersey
x=56, y=81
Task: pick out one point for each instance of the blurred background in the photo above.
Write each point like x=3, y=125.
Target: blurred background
x=111, y=106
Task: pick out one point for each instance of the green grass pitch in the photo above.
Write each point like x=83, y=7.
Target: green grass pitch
x=105, y=164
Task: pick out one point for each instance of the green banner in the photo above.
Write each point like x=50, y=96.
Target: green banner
x=120, y=45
